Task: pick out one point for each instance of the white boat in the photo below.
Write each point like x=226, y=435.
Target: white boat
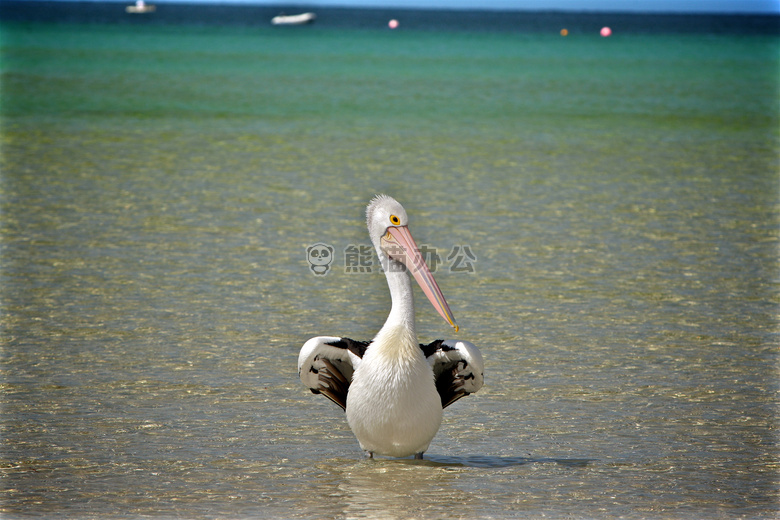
x=141, y=7
x=293, y=19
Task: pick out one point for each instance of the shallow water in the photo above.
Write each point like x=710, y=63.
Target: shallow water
x=161, y=185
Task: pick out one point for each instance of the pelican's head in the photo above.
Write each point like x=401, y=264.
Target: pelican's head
x=388, y=227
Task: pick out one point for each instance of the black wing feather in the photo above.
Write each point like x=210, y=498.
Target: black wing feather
x=336, y=383
x=449, y=383
x=356, y=347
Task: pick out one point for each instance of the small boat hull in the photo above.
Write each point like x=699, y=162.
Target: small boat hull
x=140, y=7
x=294, y=19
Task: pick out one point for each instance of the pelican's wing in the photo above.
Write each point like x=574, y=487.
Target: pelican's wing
x=457, y=368
x=326, y=365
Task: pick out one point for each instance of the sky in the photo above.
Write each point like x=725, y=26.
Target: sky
x=649, y=6
x=728, y=6
x=635, y=6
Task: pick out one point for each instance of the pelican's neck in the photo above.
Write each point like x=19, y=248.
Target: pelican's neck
x=398, y=331
x=402, y=310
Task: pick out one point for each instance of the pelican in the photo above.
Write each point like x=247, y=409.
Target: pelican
x=392, y=388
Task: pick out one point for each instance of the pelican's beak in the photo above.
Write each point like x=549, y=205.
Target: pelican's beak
x=399, y=245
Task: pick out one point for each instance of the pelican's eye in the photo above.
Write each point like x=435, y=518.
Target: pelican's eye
x=394, y=220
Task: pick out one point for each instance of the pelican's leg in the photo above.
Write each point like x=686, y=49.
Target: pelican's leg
x=369, y=454
x=418, y=456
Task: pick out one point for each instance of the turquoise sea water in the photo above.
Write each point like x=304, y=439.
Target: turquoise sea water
x=160, y=186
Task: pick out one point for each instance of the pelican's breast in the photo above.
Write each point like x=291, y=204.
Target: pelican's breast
x=393, y=406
